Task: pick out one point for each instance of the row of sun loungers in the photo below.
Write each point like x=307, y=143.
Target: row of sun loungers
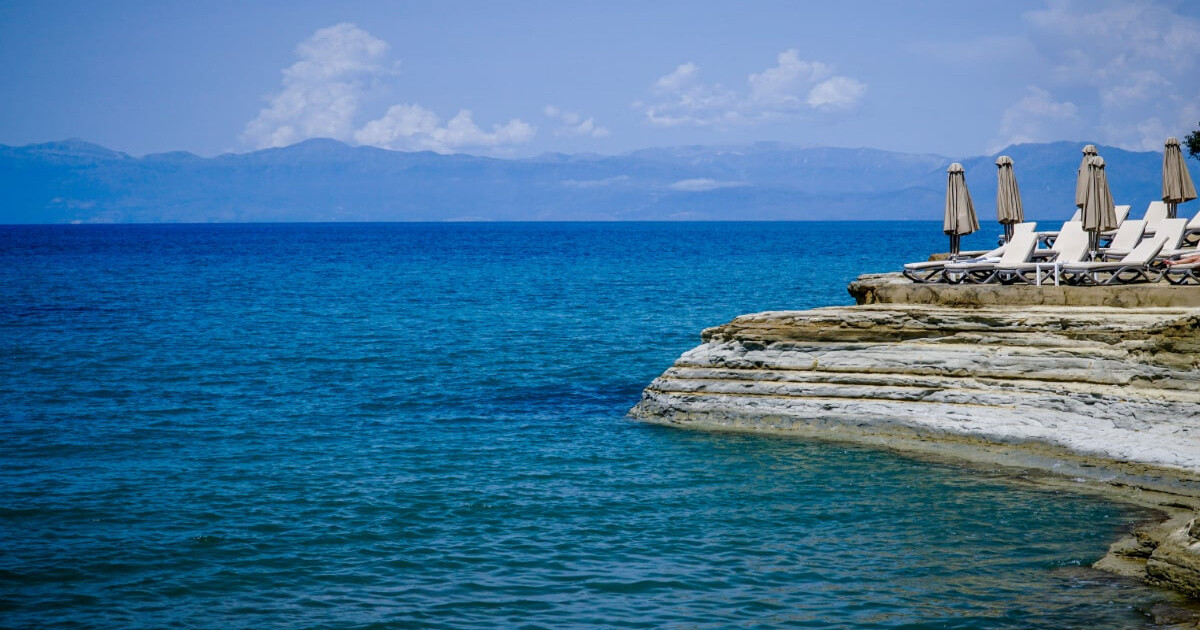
x=1136, y=252
x=1046, y=239
x=1156, y=213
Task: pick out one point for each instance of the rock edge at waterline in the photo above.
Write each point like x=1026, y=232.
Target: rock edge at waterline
x=1106, y=392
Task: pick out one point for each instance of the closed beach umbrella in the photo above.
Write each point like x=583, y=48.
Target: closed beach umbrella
x=1099, y=214
x=1008, y=197
x=1081, y=177
x=960, y=212
x=1177, y=182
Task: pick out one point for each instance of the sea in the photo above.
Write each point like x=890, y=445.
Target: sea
x=424, y=426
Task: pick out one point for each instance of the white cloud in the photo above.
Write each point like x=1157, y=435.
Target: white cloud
x=414, y=128
x=573, y=124
x=687, y=101
x=1036, y=117
x=702, y=185
x=836, y=93
x=783, y=86
x=1132, y=64
x=680, y=79
x=1135, y=86
x=324, y=90
x=1108, y=35
x=790, y=87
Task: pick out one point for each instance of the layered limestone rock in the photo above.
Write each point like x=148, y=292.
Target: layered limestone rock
x=1109, y=392
x=1166, y=554
x=893, y=288
x=1118, y=384
x=1175, y=561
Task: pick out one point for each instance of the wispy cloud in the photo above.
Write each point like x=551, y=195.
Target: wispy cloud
x=596, y=183
x=1036, y=117
x=703, y=185
x=790, y=87
x=1133, y=64
x=573, y=124
x=323, y=92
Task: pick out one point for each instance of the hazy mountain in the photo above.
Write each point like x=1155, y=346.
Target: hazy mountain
x=326, y=180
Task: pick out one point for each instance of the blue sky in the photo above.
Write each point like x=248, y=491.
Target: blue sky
x=520, y=78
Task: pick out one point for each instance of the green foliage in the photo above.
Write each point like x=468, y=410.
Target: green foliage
x=1192, y=142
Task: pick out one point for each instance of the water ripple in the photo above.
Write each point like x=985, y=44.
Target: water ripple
x=385, y=426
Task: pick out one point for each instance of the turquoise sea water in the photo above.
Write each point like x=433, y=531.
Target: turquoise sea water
x=397, y=425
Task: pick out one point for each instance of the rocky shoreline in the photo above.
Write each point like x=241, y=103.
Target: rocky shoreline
x=1084, y=383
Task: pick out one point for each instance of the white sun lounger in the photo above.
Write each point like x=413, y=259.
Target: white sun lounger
x=1134, y=267
x=1172, y=231
x=931, y=270
x=1073, y=231
x=1191, y=234
x=1122, y=212
x=1182, y=274
x=1027, y=226
x=1126, y=238
x=1070, y=246
x=1046, y=239
x=1156, y=213
x=1019, y=250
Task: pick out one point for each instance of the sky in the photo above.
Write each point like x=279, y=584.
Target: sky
x=514, y=79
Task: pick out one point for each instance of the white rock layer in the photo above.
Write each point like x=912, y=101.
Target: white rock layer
x=1113, y=383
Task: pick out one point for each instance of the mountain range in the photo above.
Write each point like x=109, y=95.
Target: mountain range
x=73, y=181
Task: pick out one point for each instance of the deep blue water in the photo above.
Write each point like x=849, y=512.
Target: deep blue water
x=399, y=425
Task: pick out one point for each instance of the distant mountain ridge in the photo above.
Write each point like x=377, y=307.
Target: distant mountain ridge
x=326, y=180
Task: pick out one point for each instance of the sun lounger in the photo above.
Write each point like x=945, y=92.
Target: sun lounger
x=1182, y=274
x=931, y=271
x=1072, y=232
x=1191, y=234
x=1126, y=238
x=1122, y=213
x=1134, y=267
x=1163, y=258
x=1172, y=232
x=1070, y=246
x=1027, y=226
x=1019, y=250
x=1046, y=239
x=1156, y=213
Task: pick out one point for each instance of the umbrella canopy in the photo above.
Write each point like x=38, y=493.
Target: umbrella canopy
x=1099, y=213
x=1008, y=196
x=1081, y=177
x=1177, y=182
x=960, y=212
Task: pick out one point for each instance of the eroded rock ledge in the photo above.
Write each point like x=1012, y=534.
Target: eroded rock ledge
x=893, y=288
x=1108, y=392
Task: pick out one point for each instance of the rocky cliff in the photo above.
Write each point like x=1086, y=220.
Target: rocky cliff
x=1011, y=375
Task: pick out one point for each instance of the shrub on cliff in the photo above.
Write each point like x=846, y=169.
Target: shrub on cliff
x=1192, y=141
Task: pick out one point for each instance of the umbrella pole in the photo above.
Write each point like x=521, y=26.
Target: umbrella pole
x=1008, y=232
x=1094, y=244
x=1172, y=208
x=954, y=246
